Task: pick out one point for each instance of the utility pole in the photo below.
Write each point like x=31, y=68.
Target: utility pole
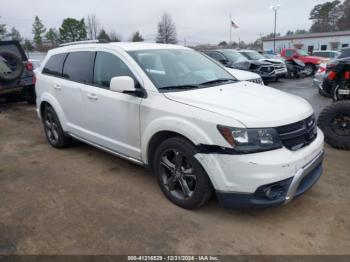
x=230, y=29
x=275, y=9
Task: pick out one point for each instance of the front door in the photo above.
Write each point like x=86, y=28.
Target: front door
x=113, y=118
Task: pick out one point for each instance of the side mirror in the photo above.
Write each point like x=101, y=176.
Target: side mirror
x=295, y=56
x=123, y=84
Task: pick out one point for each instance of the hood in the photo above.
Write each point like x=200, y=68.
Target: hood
x=273, y=61
x=241, y=65
x=253, y=105
x=243, y=75
x=260, y=62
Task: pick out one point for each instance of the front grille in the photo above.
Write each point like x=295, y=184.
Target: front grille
x=257, y=81
x=298, y=135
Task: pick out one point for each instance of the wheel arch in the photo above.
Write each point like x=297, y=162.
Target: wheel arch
x=162, y=129
x=48, y=99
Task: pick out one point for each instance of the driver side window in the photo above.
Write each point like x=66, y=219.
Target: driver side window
x=108, y=66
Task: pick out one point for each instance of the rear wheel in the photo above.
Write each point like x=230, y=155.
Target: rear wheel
x=335, y=123
x=53, y=129
x=180, y=176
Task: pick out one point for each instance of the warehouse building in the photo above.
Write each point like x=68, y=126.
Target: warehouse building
x=311, y=42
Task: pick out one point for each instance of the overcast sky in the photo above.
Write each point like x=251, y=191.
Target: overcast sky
x=199, y=21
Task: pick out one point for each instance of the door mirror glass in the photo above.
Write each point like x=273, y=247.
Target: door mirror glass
x=122, y=84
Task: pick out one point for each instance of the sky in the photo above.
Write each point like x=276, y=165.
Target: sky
x=197, y=21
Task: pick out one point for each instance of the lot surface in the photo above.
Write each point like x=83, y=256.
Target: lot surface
x=84, y=201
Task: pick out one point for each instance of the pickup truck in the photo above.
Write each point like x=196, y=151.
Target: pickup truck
x=311, y=62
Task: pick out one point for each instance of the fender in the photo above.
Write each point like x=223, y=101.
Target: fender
x=47, y=97
x=173, y=124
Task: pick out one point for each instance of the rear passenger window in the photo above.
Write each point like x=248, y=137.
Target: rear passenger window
x=79, y=67
x=54, y=65
x=108, y=66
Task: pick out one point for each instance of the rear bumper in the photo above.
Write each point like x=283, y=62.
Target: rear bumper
x=289, y=189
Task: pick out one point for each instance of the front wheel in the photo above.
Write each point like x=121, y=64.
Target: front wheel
x=310, y=70
x=180, y=176
x=335, y=123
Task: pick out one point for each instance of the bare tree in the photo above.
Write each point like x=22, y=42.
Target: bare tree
x=93, y=26
x=166, y=30
x=114, y=36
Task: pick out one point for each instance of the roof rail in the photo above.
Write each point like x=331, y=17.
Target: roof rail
x=81, y=42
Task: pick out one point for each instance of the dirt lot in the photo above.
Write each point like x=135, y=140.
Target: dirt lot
x=84, y=201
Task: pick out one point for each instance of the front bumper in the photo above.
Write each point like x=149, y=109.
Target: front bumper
x=243, y=180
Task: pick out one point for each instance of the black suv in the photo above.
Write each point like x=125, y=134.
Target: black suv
x=233, y=59
x=17, y=79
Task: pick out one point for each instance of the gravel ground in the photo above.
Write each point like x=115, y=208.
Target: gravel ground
x=84, y=201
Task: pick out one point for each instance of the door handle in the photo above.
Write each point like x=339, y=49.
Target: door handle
x=92, y=97
x=57, y=86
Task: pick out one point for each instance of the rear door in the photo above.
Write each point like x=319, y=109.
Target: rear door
x=77, y=73
x=113, y=118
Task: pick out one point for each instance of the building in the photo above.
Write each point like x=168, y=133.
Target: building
x=310, y=42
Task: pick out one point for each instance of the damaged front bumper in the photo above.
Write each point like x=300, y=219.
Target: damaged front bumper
x=264, y=179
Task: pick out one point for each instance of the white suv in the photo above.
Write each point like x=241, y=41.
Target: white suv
x=185, y=117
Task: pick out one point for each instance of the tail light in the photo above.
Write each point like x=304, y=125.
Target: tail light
x=321, y=69
x=29, y=66
x=332, y=75
x=347, y=75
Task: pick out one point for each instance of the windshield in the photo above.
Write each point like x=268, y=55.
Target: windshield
x=253, y=55
x=303, y=52
x=180, y=68
x=234, y=56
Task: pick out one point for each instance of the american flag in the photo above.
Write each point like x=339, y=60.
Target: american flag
x=234, y=25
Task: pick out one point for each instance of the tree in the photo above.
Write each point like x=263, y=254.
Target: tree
x=38, y=30
x=344, y=21
x=289, y=33
x=72, y=30
x=325, y=16
x=166, y=30
x=223, y=44
x=300, y=32
x=103, y=36
x=137, y=37
x=2, y=30
x=93, y=26
x=53, y=37
x=28, y=46
x=114, y=37
x=15, y=35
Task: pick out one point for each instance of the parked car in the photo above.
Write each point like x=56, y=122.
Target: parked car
x=242, y=75
x=232, y=59
x=17, y=79
x=311, y=62
x=319, y=78
x=345, y=53
x=185, y=117
x=329, y=54
x=278, y=64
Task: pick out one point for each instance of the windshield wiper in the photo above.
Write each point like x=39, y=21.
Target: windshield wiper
x=182, y=87
x=218, y=81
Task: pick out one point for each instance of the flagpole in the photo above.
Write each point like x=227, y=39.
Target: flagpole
x=230, y=29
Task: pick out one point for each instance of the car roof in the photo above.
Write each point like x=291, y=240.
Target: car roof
x=126, y=46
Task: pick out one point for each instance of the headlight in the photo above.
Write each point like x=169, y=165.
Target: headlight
x=251, y=140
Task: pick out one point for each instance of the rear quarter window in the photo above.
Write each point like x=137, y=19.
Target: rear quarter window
x=54, y=65
x=78, y=67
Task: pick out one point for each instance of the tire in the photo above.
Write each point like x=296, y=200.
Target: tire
x=310, y=69
x=180, y=176
x=335, y=123
x=53, y=129
x=14, y=63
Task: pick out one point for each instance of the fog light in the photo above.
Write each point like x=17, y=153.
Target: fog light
x=274, y=192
